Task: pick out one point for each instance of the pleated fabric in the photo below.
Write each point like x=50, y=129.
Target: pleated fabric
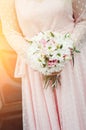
x=63, y=108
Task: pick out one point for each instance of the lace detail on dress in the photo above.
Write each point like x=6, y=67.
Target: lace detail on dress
x=79, y=7
x=13, y=34
x=11, y=28
x=79, y=33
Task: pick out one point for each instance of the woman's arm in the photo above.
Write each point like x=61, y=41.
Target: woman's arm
x=10, y=27
x=79, y=32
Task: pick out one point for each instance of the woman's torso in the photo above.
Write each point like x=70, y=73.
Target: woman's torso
x=34, y=16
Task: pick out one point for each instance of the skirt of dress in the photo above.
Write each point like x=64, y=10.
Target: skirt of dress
x=63, y=108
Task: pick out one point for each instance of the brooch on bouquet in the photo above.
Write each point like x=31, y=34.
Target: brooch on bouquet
x=48, y=53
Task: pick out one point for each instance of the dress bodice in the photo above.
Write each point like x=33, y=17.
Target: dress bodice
x=34, y=16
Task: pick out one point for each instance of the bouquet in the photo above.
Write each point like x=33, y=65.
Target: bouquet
x=48, y=53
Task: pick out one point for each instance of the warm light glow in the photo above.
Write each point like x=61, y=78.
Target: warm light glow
x=7, y=59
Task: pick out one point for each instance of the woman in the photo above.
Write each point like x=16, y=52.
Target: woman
x=65, y=107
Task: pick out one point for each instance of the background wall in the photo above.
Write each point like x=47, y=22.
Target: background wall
x=10, y=89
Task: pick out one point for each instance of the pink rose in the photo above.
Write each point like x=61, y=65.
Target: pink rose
x=44, y=42
x=52, y=63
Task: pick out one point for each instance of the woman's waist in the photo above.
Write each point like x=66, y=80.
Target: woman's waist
x=68, y=28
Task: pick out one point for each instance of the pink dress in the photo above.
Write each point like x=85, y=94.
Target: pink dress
x=65, y=107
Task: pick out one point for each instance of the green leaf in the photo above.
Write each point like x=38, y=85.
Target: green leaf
x=73, y=59
x=52, y=34
x=29, y=41
x=49, y=47
x=59, y=54
x=51, y=55
x=39, y=60
x=58, y=46
x=77, y=51
x=67, y=35
x=44, y=65
x=48, y=40
x=61, y=46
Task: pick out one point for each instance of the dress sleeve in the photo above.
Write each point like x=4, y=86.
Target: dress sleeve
x=13, y=35
x=11, y=28
x=79, y=14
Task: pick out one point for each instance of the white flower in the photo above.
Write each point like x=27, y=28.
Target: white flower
x=50, y=46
